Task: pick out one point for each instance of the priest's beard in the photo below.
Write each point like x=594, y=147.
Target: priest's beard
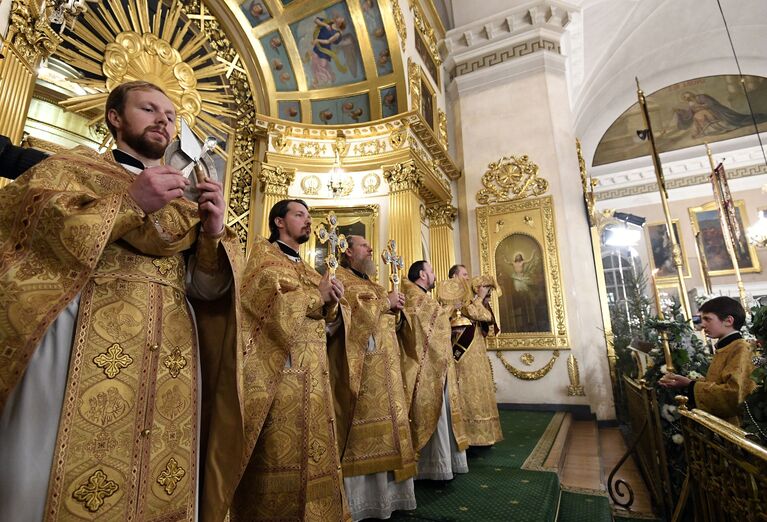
x=143, y=145
x=367, y=266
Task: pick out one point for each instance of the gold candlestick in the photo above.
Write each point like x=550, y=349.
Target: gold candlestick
x=663, y=335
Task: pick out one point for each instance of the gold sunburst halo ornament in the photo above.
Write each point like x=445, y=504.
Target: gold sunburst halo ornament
x=120, y=42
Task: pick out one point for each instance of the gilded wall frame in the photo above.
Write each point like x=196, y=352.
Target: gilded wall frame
x=706, y=220
x=517, y=245
x=349, y=220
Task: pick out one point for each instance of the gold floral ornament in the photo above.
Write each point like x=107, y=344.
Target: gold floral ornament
x=113, y=360
x=511, y=178
x=174, y=362
x=171, y=476
x=93, y=492
x=122, y=42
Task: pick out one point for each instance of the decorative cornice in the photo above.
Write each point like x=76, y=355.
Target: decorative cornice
x=403, y=176
x=276, y=179
x=511, y=178
x=676, y=183
x=508, y=35
x=441, y=215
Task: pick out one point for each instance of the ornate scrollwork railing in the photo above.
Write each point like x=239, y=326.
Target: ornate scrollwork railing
x=647, y=446
x=727, y=473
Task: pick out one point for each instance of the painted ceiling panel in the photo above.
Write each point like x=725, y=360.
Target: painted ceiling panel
x=377, y=34
x=279, y=63
x=327, y=43
x=340, y=111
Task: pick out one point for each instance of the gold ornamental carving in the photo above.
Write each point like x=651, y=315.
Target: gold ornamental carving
x=371, y=183
x=309, y=149
x=414, y=79
x=588, y=185
x=370, y=148
x=441, y=214
x=575, y=389
x=442, y=127
x=276, y=179
x=311, y=185
x=399, y=22
x=398, y=138
x=427, y=32
x=529, y=375
x=527, y=359
x=30, y=32
x=511, y=178
x=278, y=141
x=403, y=176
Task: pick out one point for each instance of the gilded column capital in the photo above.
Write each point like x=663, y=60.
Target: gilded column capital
x=276, y=179
x=403, y=176
x=441, y=215
x=30, y=32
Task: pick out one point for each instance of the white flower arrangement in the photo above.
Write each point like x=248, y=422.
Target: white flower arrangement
x=669, y=412
x=694, y=375
x=664, y=369
x=677, y=438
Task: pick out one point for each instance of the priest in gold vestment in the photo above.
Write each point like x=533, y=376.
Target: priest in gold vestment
x=292, y=469
x=728, y=380
x=475, y=376
x=100, y=367
x=371, y=412
x=428, y=370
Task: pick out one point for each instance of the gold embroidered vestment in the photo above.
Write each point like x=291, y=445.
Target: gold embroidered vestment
x=427, y=363
x=475, y=381
x=292, y=468
x=728, y=382
x=374, y=433
x=127, y=444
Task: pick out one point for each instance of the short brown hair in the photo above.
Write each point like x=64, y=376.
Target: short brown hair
x=724, y=306
x=116, y=99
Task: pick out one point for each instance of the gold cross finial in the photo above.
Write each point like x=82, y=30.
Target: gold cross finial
x=336, y=242
x=395, y=263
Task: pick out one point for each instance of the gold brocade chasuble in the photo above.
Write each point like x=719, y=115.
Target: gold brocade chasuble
x=371, y=412
x=292, y=467
x=475, y=381
x=127, y=444
x=728, y=382
x=427, y=362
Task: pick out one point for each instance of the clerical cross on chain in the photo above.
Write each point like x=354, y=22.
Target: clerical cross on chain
x=395, y=263
x=336, y=242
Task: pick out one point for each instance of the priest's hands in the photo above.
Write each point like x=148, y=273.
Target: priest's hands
x=211, y=206
x=672, y=380
x=155, y=187
x=331, y=290
x=482, y=292
x=396, y=301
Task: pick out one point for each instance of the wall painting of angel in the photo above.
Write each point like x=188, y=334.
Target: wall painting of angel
x=327, y=43
x=517, y=242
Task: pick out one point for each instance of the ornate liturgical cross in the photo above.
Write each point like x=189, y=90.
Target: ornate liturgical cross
x=394, y=261
x=336, y=242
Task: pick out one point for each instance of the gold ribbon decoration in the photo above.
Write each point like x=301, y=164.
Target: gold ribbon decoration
x=533, y=375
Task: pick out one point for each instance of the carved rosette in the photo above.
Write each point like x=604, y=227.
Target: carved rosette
x=441, y=215
x=276, y=179
x=414, y=79
x=511, y=178
x=403, y=176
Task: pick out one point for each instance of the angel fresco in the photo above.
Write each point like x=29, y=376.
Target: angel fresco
x=523, y=307
x=329, y=51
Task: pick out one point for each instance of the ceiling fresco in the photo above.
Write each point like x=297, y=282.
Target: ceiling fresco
x=686, y=114
x=327, y=62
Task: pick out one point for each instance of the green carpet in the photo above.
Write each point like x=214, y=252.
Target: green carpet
x=495, y=489
x=575, y=507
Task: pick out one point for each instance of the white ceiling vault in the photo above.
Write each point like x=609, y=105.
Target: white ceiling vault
x=662, y=42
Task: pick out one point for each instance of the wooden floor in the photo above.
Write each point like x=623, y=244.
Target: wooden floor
x=591, y=454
